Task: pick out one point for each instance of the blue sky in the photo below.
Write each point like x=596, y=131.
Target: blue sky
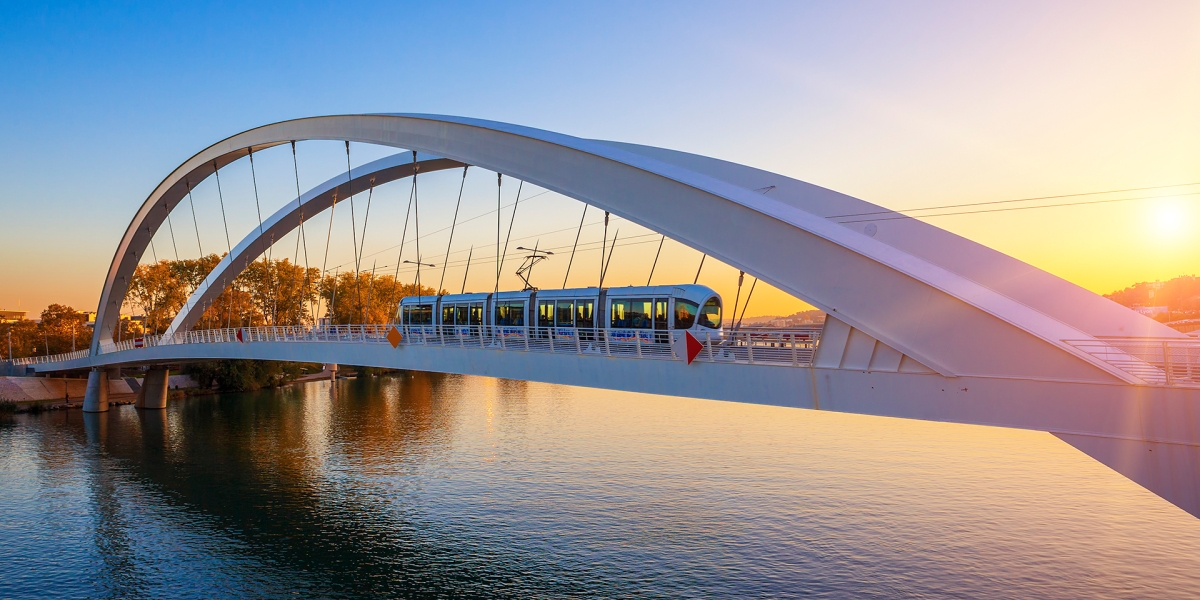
x=903, y=104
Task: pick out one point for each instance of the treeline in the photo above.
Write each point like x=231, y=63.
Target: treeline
x=268, y=292
x=274, y=292
x=1180, y=295
x=61, y=329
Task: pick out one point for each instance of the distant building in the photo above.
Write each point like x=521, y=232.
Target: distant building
x=9, y=316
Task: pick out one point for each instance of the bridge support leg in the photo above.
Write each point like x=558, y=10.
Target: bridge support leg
x=332, y=369
x=153, y=394
x=95, y=398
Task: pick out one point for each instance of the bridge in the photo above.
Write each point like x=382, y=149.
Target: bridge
x=921, y=323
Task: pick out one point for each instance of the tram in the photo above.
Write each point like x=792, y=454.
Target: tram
x=643, y=314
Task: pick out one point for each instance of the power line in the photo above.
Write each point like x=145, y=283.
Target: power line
x=967, y=204
x=894, y=217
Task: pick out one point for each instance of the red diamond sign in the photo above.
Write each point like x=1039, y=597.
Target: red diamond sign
x=393, y=337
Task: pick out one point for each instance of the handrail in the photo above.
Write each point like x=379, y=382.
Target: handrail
x=1153, y=360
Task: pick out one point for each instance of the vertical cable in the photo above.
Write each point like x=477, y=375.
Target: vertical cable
x=512, y=220
x=453, y=223
x=611, y=251
x=698, y=269
x=747, y=305
x=417, y=221
x=574, y=246
x=302, y=236
x=194, y=221
x=655, y=263
x=404, y=233
x=267, y=255
x=171, y=228
x=499, y=179
x=325, y=261
x=603, y=249
x=467, y=269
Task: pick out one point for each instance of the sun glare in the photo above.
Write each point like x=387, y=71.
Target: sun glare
x=1169, y=218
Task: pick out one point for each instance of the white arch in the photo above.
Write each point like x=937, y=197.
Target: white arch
x=955, y=306
x=288, y=218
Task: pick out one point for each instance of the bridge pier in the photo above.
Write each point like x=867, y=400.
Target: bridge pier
x=153, y=394
x=95, y=398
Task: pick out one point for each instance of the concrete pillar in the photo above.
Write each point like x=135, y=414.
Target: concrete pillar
x=95, y=399
x=332, y=369
x=154, y=389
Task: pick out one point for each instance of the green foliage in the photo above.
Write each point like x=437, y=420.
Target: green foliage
x=7, y=406
x=242, y=375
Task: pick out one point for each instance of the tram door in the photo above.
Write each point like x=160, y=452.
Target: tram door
x=545, y=319
x=660, y=321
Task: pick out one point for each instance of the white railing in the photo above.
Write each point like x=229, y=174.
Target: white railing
x=1158, y=361
x=37, y=360
x=791, y=347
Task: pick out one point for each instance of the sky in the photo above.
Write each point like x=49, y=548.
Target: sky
x=905, y=105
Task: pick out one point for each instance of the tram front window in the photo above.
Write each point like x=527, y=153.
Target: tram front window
x=565, y=313
x=422, y=314
x=685, y=313
x=710, y=315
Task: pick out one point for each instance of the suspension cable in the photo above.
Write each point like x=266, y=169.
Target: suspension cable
x=267, y=256
x=611, y=251
x=467, y=269
x=655, y=263
x=508, y=235
x=499, y=183
x=194, y=221
x=404, y=233
x=171, y=228
x=366, y=219
x=603, y=248
x=576, y=245
x=370, y=288
x=221, y=198
x=325, y=261
x=417, y=221
x=733, y=315
x=353, y=221
x=302, y=236
x=453, y=223
x=697, y=279
x=747, y=305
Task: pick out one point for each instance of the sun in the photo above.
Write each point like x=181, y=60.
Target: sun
x=1169, y=218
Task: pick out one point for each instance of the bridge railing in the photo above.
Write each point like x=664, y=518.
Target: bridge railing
x=1157, y=361
x=37, y=360
x=790, y=347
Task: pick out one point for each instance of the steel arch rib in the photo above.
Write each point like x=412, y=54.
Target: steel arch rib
x=914, y=303
x=287, y=219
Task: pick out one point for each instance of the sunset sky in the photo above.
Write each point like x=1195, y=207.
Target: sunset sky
x=906, y=105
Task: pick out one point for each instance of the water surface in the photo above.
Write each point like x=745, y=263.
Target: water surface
x=428, y=485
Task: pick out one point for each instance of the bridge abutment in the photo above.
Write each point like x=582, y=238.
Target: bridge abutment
x=95, y=398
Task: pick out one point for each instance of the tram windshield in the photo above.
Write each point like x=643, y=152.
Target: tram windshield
x=685, y=313
x=420, y=314
x=710, y=315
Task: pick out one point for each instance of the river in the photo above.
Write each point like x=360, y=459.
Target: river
x=449, y=486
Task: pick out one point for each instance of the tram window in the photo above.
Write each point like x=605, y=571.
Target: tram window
x=477, y=313
x=510, y=314
x=545, y=317
x=422, y=314
x=685, y=313
x=448, y=314
x=660, y=313
x=461, y=314
x=632, y=314
x=710, y=315
x=584, y=316
x=565, y=314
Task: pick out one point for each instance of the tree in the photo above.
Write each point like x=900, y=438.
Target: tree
x=364, y=298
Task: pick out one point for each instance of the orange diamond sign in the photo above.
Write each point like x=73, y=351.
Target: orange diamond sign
x=394, y=337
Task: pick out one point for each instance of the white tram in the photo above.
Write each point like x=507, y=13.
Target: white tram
x=628, y=314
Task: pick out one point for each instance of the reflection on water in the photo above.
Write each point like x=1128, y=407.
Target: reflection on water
x=443, y=485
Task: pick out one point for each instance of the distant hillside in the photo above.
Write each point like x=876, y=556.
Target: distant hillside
x=1171, y=300
x=804, y=317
